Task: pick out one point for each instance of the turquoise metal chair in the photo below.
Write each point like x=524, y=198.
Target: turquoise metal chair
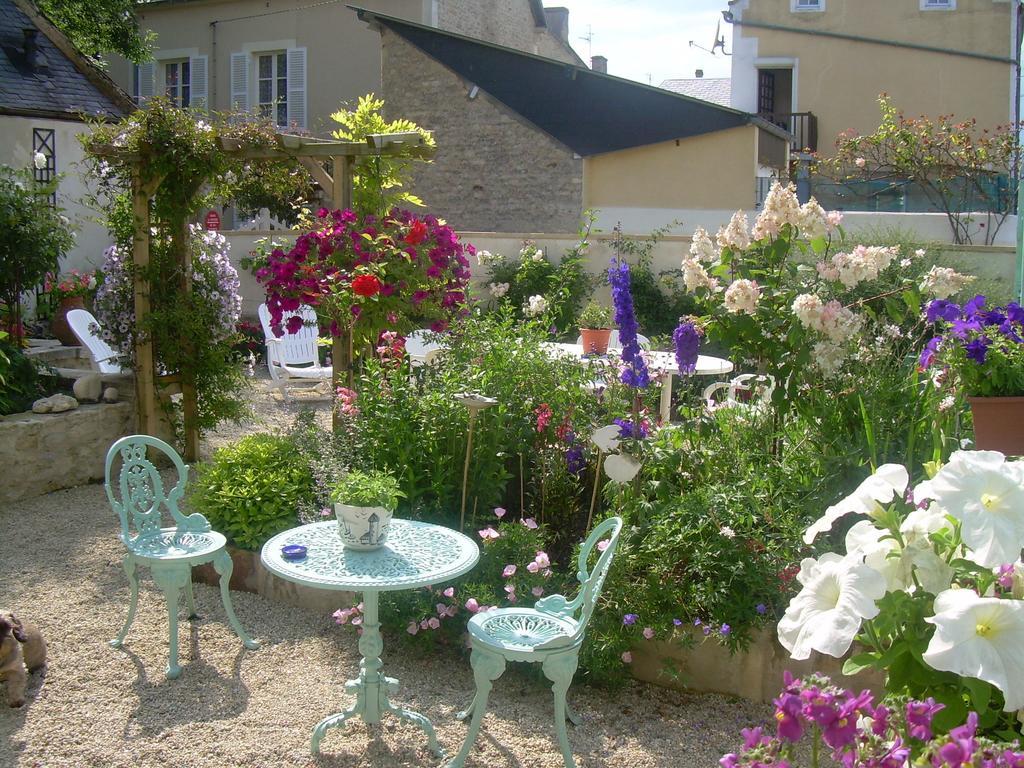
x=169, y=553
x=549, y=634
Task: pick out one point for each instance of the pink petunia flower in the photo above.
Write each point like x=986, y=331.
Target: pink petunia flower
x=441, y=608
x=532, y=567
x=509, y=572
x=424, y=624
x=472, y=605
x=602, y=545
x=450, y=592
x=499, y=512
x=537, y=591
x=542, y=560
x=433, y=622
x=529, y=523
x=648, y=633
x=413, y=628
x=627, y=657
x=488, y=533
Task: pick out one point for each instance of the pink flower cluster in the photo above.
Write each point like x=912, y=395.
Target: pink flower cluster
x=406, y=266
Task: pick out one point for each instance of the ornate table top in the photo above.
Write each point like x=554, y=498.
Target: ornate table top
x=415, y=555
x=706, y=364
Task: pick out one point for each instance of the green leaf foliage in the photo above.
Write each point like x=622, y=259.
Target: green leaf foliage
x=252, y=490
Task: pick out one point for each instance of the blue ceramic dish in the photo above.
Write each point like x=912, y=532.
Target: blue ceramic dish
x=293, y=552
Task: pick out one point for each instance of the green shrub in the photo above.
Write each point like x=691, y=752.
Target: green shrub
x=367, y=489
x=20, y=380
x=252, y=490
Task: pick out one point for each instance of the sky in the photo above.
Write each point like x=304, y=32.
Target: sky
x=648, y=40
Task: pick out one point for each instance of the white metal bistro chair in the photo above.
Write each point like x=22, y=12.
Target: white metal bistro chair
x=749, y=390
x=421, y=347
x=294, y=359
x=87, y=331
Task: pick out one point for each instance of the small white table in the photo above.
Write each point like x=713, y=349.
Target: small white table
x=415, y=555
x=662, y=361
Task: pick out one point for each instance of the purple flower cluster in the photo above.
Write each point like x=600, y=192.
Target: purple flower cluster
x=635, y=374
x=862, y=735
x=974, y=327
x=686, y=339
x=627, y=429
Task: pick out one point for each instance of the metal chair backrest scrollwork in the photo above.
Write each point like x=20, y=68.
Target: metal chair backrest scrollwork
x=141, y=497
x=581, y=607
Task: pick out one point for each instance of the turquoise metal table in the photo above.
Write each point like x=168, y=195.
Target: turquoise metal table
x=415, y=555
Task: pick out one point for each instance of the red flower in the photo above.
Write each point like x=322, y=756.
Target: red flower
x=417, y=233
x=366, y=285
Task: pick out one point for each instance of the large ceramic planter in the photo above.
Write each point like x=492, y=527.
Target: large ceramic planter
x=595, y=340
x=59, y=324
x=998, y=424
x=362, y=527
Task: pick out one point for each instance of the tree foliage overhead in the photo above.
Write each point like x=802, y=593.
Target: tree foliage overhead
x=101, y=27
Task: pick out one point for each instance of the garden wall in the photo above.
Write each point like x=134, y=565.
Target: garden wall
x=43, y=452
x=993, y=264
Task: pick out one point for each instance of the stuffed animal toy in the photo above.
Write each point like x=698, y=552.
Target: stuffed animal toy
x=21, y=647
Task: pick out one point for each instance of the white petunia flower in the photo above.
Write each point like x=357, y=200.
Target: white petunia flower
x=986, y=494
x=980, y=637
x=887, y=484
x=838, y=594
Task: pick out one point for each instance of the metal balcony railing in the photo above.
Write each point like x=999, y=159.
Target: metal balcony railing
x=803, y=126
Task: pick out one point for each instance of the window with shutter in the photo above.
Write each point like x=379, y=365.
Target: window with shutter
x=296, y=88
x=178, y=82
x=240, y=82
x=197, y=65
x=146, y=82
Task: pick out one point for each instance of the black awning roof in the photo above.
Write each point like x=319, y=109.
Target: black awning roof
x=590, y=112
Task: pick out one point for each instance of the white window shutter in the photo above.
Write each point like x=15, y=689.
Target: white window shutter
x=297, y=87
x=147, y=81
x=198, y=98
x=240, y=82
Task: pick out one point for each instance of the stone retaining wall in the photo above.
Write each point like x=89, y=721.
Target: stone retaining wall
x=43, y=452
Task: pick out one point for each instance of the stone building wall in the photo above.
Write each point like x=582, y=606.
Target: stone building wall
x=504, y=22
x=493, y=172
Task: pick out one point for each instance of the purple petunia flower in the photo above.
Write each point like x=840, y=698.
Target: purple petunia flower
x=977, y=349
x=941, y=309
x=629, y=619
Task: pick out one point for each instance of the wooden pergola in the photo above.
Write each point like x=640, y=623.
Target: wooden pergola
x=311, y=153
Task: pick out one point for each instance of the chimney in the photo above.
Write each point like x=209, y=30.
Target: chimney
x=699, y=73
x=557, y=20
x=599, y=64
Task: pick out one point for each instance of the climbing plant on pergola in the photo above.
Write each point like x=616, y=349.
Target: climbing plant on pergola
x=168, y=177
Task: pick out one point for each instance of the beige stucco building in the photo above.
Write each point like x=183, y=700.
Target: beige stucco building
x=832, y=59
x=297, y=62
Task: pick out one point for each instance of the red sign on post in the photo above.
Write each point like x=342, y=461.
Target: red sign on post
x=213, y=221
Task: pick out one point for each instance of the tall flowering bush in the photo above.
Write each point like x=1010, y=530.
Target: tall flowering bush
x=931, y=586
x=364, y=275
x=785, y=297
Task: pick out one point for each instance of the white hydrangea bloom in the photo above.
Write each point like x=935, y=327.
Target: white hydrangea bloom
x=695, y=276
x=735, y=236
x=943, y=282
x=499, y=289
x=742, y=296
x=808, y=308
x=781, y=207
x=862, y=263
x=812, y=220
x=536, y=305
x=701, y=248
x=980, y=637
x=838, y=594
x=828, y=357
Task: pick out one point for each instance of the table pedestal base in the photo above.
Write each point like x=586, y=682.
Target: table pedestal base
x=372, y=688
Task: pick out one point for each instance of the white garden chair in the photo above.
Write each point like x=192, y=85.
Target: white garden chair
x=749, y=390
x=294, y=359
x=86, y=330
x=421, y=347
x=614, y=343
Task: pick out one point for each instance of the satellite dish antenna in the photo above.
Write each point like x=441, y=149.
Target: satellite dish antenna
x=716, y=43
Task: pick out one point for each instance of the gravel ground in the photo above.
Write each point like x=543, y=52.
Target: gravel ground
x=96, y=706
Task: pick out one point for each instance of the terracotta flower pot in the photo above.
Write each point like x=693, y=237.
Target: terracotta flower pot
x=998, y=424
x=59, y=324
x=595, y=340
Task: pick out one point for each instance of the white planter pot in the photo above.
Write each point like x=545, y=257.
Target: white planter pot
x=362, y=527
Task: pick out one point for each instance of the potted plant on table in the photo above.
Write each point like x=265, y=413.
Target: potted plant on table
x=364, y=503
x=983, y=350
x=595, y=328
x=69, y=292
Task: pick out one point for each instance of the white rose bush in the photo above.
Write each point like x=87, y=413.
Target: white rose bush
x=930, y=588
